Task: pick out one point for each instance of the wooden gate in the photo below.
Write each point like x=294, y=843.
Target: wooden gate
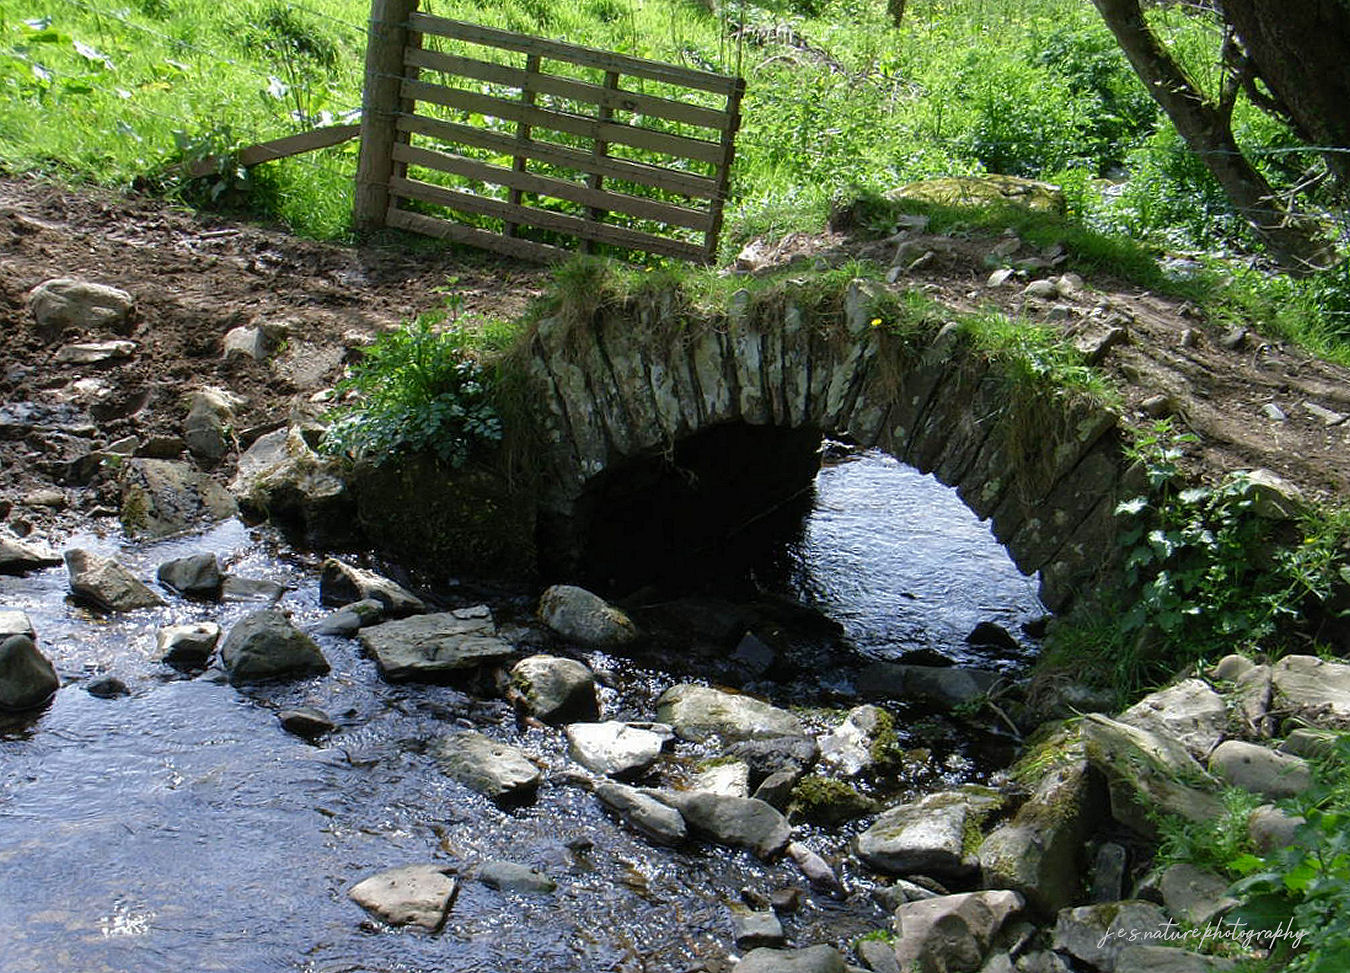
x=580, y=144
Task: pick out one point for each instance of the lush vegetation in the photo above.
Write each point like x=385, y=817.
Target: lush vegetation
x=418, y=389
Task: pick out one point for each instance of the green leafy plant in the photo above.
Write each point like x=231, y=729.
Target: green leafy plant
x=419, y=389
x=1304, y=889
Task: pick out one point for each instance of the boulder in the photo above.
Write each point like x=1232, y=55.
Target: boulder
x=645, y=814
x=162, y=497
x=1260, y=770
x=64, y=302
x=741, y=822
x=1169, y=959
x=94, y=352
x=507, y=876
x=306, y=721
x=206, y=430
x=586, y=619
x=414, y=895
x=197, y=574
x=1274, y=497
x=1314, y=689
x=281, y=477
x=943, y=685
x=265, y=645
x=854, y=747
x=17, y=557
x=15, y=622
x=816, y=869
x=245, y=342
x=776, y=755
x=1147, y=771
x=828, y=802
x=106, y=687
x=436, y=647
x=1038, y=853
x=951, y=932
x=341, y=584
x=27, y=677
x=556, y=690
x=927, y=836
x=106, y=584
x=697, y=712
x=751, y=930
x=1270, y=828
x=1190, y=712
x=1193, y=895
x=494, y=769
x=187, y=646
x=729, y=780
x=810, y=959
x=614, y=749
x=1097, y=934
x=350, y=619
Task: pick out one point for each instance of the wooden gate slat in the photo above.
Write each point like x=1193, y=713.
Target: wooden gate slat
x=635, y=206
x=513, y=111
x=572, y=53
x=657, y=177
x=530, y=216
x=551, y=84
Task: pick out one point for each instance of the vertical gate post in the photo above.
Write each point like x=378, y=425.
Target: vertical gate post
x=386, y=38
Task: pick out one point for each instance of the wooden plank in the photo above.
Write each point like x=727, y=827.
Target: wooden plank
x=572, y=53
x=550, y=84
x=559, y=222
x=657, y=177
x=282, y=148
x=519, y=180
x=673, y=145
x=402, y=219
x=718, y=201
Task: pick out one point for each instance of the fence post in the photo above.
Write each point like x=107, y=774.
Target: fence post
x=386, y=38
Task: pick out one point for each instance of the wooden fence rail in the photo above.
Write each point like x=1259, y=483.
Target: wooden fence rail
x=554, y=141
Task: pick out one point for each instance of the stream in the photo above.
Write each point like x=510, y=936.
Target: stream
x=180, y=828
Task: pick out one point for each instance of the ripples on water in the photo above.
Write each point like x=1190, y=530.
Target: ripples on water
x=902, y=563
x=180, y=829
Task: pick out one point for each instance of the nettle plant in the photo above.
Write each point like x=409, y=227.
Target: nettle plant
x=1205, y=570
x=418, y=389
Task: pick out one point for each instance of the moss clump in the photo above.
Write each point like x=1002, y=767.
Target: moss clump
x=828, y=802
x=135, y=510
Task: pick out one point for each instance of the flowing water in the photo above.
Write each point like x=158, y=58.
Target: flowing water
x=180, y=828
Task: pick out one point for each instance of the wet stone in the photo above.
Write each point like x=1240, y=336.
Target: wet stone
x=434, y=647
x=265, y=645
x=187, y=646
x=307, y=722
x=612, y=748
x=27, y=678
x=494, y=769
x=417, y=895
x=659, y=822
x=754, y=929
x=197, y=574
x=16, y=557
x=15, y=622
x=106, y=687
x=812, y=959
x=341, y=584
x=107, y=584
x=506, y=876
x=555, y=689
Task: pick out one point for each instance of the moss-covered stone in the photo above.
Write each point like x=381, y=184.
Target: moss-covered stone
x=827, y=802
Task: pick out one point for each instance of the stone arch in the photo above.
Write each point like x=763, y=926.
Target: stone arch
x=638, y=378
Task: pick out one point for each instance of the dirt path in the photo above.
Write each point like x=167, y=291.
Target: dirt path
x=195, y=277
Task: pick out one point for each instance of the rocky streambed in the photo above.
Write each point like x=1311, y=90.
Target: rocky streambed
x=249, y=758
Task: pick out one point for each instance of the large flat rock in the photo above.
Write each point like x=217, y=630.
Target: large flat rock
x=698, y=712
x=414, y=895
x=494, y=769
x=433, y=648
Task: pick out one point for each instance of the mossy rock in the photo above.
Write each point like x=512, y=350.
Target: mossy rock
x=990, y=189
x=828, y=802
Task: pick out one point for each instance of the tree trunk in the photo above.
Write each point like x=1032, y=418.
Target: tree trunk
x=1207, y=129
x=1299, y=48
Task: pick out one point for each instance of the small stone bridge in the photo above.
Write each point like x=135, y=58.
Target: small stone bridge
x=667, y=430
